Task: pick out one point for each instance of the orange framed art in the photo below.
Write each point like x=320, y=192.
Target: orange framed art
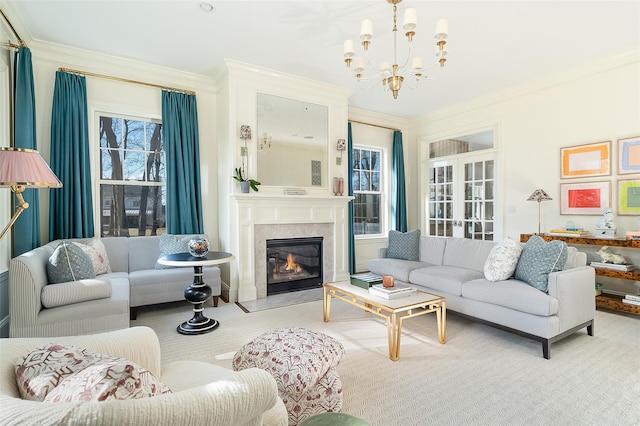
x=586, y=160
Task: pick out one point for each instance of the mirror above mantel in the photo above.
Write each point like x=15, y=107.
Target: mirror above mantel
x=293, y=142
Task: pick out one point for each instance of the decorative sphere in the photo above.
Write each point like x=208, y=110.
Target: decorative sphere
x=198, y=247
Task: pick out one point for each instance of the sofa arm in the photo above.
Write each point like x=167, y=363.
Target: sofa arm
x=574, y=290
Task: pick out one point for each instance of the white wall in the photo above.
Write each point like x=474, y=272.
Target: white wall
x=124, y=98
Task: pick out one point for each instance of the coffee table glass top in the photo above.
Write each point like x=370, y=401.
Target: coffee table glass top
x=416, y=298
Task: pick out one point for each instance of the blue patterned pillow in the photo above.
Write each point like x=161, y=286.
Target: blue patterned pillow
x=172, y=244
x=69, y=263
x=404, y=245
x=538, y=260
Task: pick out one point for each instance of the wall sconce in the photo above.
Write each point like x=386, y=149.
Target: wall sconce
x=22, y=168
x=264, y=142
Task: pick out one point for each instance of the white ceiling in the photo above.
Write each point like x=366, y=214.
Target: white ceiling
x=492, y=44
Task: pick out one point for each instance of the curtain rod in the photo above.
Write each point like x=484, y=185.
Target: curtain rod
x=375, y=125
x=126, y=80
x=13, y=30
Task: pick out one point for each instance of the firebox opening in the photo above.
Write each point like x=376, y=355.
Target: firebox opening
x=294, y=264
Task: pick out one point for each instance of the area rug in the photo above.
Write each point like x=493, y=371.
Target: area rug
x=281, y=300
x=481, y=376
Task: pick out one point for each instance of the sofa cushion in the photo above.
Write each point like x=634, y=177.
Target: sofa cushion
x=466, y=253
x=69, y=263
x=98, y=254
x=404, y=245
x=74, y=292
x=432, y=249
x=446, y=279
x=502, y=260
x=539, y=259
x=512, y=294
x=400, y=269
x=64, y=373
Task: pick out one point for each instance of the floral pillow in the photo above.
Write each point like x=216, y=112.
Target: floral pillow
x=502, y=260
x=98, y=254
x=63, y=373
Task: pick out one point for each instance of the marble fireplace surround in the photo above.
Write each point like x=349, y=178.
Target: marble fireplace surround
x=262, y=233
x=259, y=217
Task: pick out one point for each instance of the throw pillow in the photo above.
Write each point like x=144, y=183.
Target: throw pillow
x=98, y=254
x=74, y=292
x=69, y=263
x=538, y=260
x=64, y=373
x=404, y=245
x=172, y=244
x=502, y=260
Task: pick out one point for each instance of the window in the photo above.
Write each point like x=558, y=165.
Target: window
x=367, y=190
x=132, y=177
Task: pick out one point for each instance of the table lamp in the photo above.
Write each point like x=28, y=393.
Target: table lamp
x=539, y=195
x=22, y=168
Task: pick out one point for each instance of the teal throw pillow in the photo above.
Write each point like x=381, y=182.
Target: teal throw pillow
x=69, y=263
x=172, y=244
x=538, y=260
x=404, y=245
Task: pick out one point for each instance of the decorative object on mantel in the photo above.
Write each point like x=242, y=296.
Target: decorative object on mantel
x=245, y=184
x=605, y=226
x=393, y=76
x=245, y=132
x=539, y=195
x=338, y=186
x=608, y=257
x=22, y=168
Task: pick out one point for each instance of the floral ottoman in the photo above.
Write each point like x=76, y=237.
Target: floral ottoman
x=303, y=362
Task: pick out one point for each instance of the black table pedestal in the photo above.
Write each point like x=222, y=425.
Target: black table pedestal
x=197, y=294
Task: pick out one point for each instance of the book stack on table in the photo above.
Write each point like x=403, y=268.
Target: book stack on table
x=632, y=299
x=624, y=267
x=395, y=292
x=569, y=232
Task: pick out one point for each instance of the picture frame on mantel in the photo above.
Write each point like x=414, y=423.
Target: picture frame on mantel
x=629, y=197
x=588, y=160
x=629, y=155
x=585, y=198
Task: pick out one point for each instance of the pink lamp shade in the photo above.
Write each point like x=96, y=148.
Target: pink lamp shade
x=25, y=167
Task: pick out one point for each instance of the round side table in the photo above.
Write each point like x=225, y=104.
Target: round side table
x=198, y=292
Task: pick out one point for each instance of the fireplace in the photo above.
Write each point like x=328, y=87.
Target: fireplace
x=293, y=264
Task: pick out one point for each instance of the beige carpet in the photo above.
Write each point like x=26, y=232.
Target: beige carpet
x=481, y=376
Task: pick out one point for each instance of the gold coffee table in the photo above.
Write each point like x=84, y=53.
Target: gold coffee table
x=394, y=310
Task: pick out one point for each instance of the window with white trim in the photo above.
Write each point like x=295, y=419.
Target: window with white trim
x=132, y=176
x=367, y=185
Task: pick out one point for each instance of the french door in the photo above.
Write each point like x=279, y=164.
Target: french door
x=460, y=197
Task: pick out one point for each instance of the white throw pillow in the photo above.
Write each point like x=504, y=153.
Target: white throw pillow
x=502, y=260
x=98, y=254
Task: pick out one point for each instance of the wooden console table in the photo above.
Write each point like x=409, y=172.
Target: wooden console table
x=603, y=301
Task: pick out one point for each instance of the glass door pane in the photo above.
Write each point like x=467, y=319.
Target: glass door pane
x=440, y=200
x=478, y=200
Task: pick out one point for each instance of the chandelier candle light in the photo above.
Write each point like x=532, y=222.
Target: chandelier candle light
x=392, y=77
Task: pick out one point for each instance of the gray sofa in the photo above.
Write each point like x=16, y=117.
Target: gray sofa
x=454, y=268
x=134, y=282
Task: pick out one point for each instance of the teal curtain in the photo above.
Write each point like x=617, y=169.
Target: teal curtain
x=398, y=193
x=351, y=235
x=183, y=185
x=26, y=230
x=71, y=207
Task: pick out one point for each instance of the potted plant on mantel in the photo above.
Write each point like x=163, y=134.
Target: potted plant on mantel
x=245, y=184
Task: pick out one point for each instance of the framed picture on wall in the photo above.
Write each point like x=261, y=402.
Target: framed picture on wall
x=588, y=198
x=629, y=197
x=629, y=155
x=586, y=160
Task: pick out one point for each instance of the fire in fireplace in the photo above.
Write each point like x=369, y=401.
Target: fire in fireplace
x=294, y=264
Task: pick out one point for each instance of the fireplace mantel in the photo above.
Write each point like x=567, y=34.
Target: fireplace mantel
x=328, y=214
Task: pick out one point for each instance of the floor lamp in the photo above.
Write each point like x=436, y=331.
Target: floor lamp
x=22, y=168
x=539, y=195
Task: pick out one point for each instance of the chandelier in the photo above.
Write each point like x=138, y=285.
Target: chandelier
x=392, y=77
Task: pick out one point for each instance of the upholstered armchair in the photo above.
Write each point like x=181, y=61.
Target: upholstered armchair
x=202, y=393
